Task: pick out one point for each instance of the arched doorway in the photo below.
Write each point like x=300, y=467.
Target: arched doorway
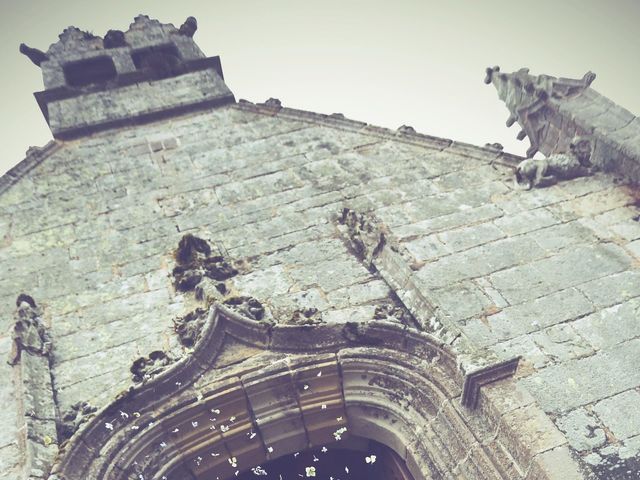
x=252, y=393
x=356, y=459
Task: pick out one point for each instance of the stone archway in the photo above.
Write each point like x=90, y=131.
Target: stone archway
x=251, y=392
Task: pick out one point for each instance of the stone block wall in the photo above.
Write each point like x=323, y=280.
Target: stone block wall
x=551, y=274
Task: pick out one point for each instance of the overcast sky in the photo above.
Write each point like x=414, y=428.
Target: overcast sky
x=388, y=63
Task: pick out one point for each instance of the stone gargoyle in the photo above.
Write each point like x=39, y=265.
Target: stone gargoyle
x=534, y=172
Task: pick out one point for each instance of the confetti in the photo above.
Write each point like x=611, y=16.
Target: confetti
x=233, y=462
x=178, y=383
x=237, y=472
x=338, y=433
x=108, y=426
x=124, y=415
x=319, y=374
x=324, y=449
x=259, y=471
x=232, y=419
x=339, y=419
x=135, y=427
x=175, y=430
x=346, y=469
x=305, y=387
x=324, y=406
x=316, y=459
x=224, y=428
x=296, y=454
x=270, y=449
x=215, y=410
x=310, y=471
x=194, y=424
x=136, y=414
x=215, y=454
x=251, y=434
x=163, y=444
x=370, y=459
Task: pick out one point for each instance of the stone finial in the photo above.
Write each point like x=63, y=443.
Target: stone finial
x=189, y=27
x=33, y=54
x=406, y=129
x=273, y=103
x=114, y=39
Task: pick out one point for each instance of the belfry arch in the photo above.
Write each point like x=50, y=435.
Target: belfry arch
x=247, y=394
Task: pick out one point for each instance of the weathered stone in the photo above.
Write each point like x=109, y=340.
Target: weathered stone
x=614, y=412
x=582, y=429
x=144, y=368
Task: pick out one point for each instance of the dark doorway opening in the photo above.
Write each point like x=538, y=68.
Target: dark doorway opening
x=355, y=459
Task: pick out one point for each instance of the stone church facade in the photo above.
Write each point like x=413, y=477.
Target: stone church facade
x=196, y=287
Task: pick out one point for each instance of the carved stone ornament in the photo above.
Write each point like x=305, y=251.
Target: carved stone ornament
x=195, y=262
x=559, y=166
x=376, y=379
x=145, y=368
x=29, y=333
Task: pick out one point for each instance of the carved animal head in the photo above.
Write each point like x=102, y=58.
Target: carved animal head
x=580, y=148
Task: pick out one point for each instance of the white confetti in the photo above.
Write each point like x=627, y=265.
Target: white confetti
x=324, y=406
x=338, y=433
x=232, y=419
x=224, y=428
x=339, y=419
x=370, y=459
x=270, y=449
x=310, y=471
x=136, y=414
x=233, y=462
x=194, y=424
x=124, y=415
x=296, y=454
x=346, y=469
x=259, y=470
x=319, y=374
x=178, y=383
x=135, y=427
x=305, y=387
x=108, y=426
x=175, y=430
x=215, y=454
x=316, y=459
x=215, y=410
x=237, y=472
x=251, y=434
x=163, y=444
x=324, y=449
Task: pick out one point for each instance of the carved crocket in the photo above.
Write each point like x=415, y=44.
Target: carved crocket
x=544, y=172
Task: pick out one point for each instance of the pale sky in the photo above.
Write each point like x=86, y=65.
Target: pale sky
x=388, y=63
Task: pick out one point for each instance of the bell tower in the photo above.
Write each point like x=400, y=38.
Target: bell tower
x=151, y=71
